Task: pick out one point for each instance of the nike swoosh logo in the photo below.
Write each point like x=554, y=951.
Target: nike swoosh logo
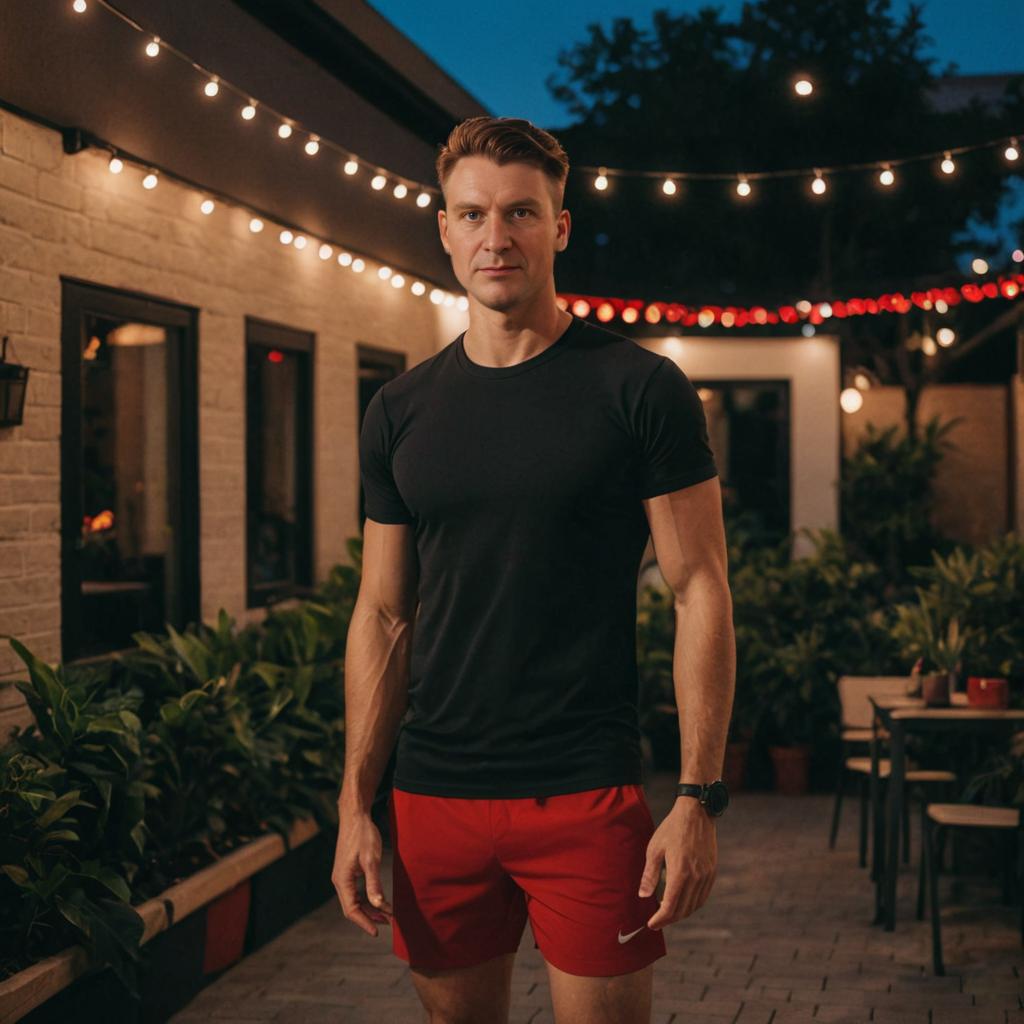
x=626, y=938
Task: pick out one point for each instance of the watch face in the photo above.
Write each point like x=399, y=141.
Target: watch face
x=718, y=797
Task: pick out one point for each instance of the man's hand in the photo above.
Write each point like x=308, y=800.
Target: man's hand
x=686, y=843
x=358, y=854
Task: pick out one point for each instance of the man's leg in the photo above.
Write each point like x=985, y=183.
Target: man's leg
x=480, y=994
x=618, y=999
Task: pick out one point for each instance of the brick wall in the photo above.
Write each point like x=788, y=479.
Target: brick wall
x=68, y=215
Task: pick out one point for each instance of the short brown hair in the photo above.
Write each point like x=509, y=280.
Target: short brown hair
x=506, y=140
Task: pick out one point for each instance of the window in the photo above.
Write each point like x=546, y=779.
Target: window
x=279, y=433
x=129, y=468
x=749, y=427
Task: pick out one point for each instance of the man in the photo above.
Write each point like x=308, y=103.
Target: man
x=511, y=481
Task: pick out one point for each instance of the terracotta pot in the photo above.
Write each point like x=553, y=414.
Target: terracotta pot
x=734, y=771
x=791, y=768
x=227, y=918
x=988, y=692
x=935, y=689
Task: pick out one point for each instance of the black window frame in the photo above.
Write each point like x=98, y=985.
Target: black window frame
x=264, y=335
x=78, y=299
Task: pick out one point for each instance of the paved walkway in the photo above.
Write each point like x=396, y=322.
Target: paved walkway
x=785, y=938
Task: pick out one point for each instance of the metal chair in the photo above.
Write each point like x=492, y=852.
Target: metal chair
x=935, y=818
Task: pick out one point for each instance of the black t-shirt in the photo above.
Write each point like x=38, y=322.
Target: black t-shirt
x=524, y=484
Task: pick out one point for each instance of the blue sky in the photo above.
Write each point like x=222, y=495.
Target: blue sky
x=503, y=52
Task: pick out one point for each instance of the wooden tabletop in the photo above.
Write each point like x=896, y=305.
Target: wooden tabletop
x=902, y=707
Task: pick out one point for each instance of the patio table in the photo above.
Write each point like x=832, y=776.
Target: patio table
x=900, y=715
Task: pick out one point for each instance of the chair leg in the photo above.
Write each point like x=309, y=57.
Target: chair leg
x=840, y=786
x=931, y=848
x=865, y=813
x=921, y=861
x=906, y=826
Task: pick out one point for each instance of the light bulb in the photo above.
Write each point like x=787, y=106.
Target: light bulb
x=1012, y=151
x=1017, y=255
x=979, y=266
x=351, y=166
x=300, y=242
x=384, y=273
x=313, y=145
x=423, y=199
x=803, y=87
x=462, y=303
x=378, y=182
x=398, y=281
x=211, y=88
x=928, y=346
x=743, y=188
x=79, y=6
x=325, y=252
x=668, y=186
x=850, y=399
x=417, y=287
x=861, y=381
x=358, y=265
x=284, y=130
x=345, y=259
x=207, y=206
x=449, y=299
x=153, y=47
x=886, y=177
x=116, y=165
x=400, y=191
x=249, y=111
x=807, y=330
x=255, y=225
x=150, y=180
x=940, y=306
x=825, y=310
x=945, y=336
x=947, y=165
x=436, y=296
x=818, y=186
x=286, y=237
x=581, y=308
x=601, y=181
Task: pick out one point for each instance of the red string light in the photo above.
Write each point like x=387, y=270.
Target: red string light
x=607, y=308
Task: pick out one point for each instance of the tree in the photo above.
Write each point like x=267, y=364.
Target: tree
x=696, y=93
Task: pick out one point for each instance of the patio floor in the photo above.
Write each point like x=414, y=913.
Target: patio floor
x=785, y=938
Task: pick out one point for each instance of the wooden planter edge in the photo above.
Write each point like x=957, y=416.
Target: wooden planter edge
x=40, y=981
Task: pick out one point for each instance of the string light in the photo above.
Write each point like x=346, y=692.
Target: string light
x=212, y=87
x=886, y=177
x=378, y=182
x=818, y=186
x=1012, y=151
x=417, y=287
x=249, y=111
x=947, y=165
x=150, y=180
x=344, y=259
x=423, y=199
x=325, y=252
x=743, y=188
x=255, y=225
x=1017, y=256
x=116, y=165
x=79, y=6
x=449, y=299
x=601, y=181
x=286, y=237
x=384, y=273
x=436, y=296
x=207, y=206
x=358, y=265
x=300, y=242
x=351, y=166
x=850, y=400
x=400, y=191
x=313, y=145
x=153, y=47
x=398, y=281
x=803, y=87
x=462, y=303
x=284, y=130
x=945, y=336
x=979, y=266
x=668, y=186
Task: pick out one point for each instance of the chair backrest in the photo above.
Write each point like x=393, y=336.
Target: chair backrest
x=853, y=696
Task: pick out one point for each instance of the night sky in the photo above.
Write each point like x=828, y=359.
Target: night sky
x=502, y=53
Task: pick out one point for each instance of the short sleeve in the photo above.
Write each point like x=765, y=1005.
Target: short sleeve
x=671, y=433
x=382, y=501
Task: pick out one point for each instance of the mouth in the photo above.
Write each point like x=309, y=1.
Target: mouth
x=497, y=271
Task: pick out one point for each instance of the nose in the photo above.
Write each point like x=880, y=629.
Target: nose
x=497, y=239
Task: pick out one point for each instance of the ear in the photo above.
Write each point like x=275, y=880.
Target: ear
x=442, y=227
x=564, y=228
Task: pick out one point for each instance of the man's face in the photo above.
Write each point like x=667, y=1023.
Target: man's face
x=501, y=216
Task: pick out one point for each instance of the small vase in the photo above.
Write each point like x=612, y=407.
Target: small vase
x=988, y=692
x=935, y=687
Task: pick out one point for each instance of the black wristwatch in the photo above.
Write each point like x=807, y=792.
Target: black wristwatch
x=714, y=796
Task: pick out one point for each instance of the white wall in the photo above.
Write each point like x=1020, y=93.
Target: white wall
x=812, y=367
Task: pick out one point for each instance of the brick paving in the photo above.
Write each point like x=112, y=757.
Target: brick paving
x=785, y=938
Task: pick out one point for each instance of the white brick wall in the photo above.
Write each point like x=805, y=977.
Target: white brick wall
x=69, y=215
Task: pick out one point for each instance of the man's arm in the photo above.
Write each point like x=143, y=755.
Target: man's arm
x=377, y=659
x=689, y=540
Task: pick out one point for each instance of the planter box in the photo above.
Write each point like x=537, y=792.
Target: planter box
x=178, y=943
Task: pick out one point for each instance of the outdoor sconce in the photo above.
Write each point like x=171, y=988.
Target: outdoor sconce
x=13, y=381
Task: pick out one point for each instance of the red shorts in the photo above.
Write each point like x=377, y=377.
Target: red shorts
x=468, y=872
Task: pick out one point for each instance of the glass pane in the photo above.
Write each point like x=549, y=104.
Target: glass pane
x=273, y=482
x=748, y=426
x=124, y=540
